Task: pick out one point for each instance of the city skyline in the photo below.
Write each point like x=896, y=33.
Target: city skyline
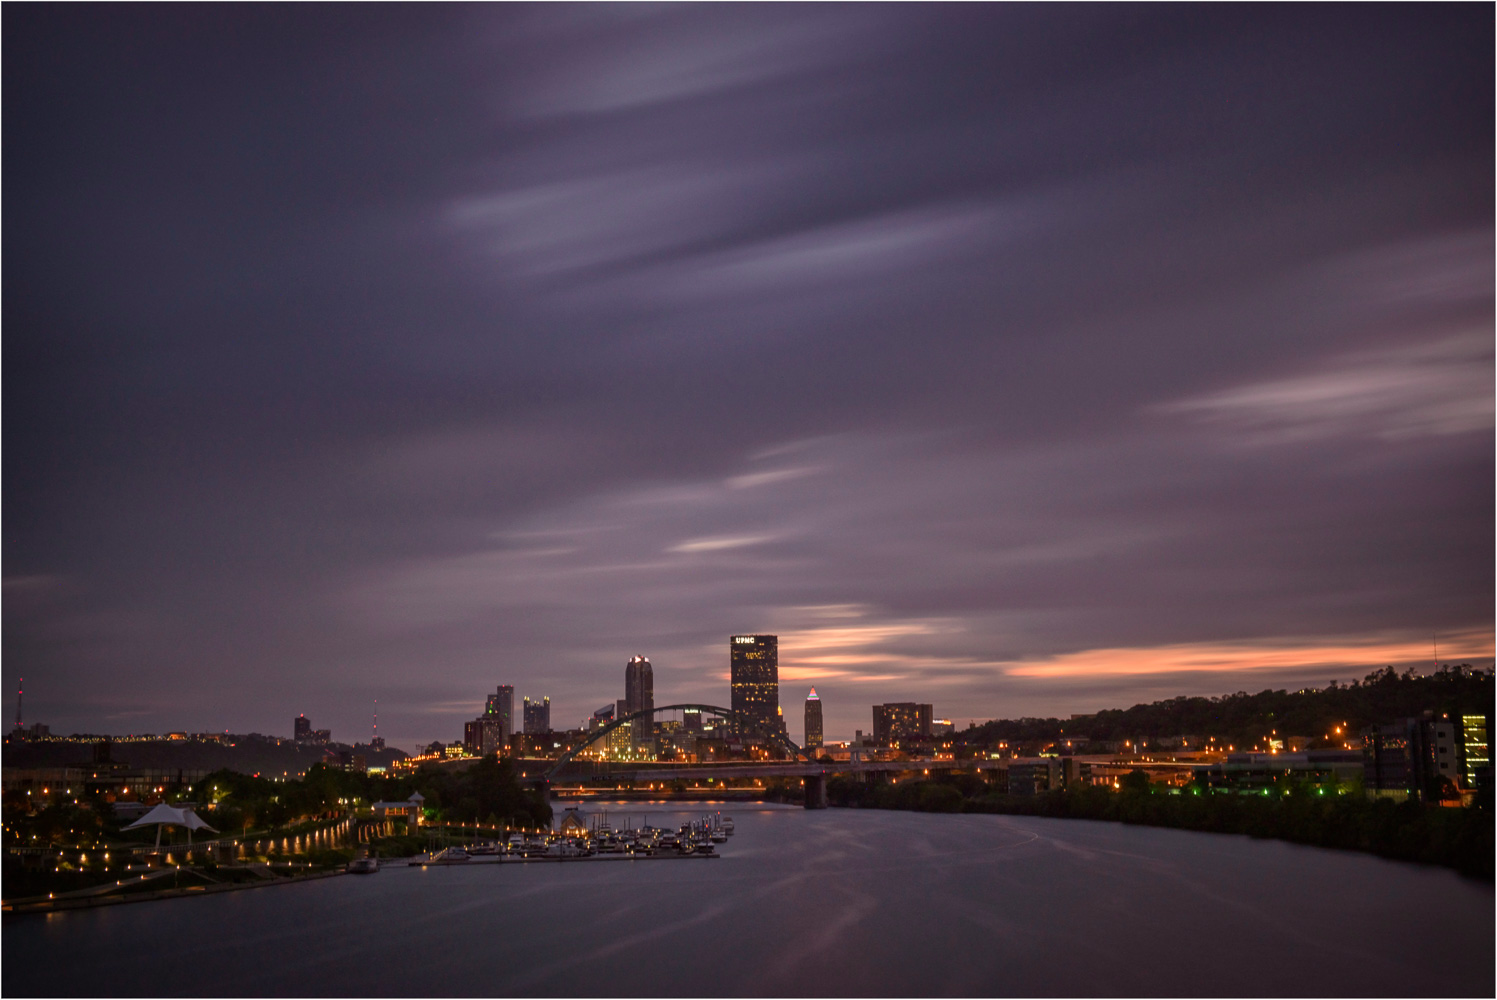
x=1019, y=361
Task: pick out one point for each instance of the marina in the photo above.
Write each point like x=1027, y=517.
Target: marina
x=590, y=838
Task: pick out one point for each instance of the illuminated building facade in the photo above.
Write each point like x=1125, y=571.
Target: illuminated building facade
x=620, y=742
x=537, y=716
x=755, y=678
x=483, y=736
x=1476, y=751
x=813, y=721
x=897, y=723
x=639, y=696
x=676, y=741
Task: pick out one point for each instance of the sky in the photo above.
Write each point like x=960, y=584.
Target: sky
x=1023, y=360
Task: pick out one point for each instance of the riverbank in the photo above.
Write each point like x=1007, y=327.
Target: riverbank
x=666, y=795
x=85, y=900
x=1461, y=839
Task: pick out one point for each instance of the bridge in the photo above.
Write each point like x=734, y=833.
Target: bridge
x=746, y=721
x=812, y=772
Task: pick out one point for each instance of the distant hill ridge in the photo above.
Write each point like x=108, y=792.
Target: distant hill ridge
x=1243, y=718
x=247, y=756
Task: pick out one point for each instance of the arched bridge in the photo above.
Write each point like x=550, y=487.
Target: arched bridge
x=747, y=721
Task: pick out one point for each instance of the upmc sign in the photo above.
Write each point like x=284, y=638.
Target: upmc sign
x=744, y=640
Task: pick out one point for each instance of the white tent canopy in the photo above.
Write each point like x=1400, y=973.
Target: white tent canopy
x=165, y=815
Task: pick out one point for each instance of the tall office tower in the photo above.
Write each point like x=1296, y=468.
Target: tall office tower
x=691, y=718
x=813, y=721
x=537, y=716
x=639, y=696
x=755, y=678
x=502, y=705
x=302, y=727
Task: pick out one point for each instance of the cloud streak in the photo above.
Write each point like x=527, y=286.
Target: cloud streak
x=1310, y=656
x=410, y=354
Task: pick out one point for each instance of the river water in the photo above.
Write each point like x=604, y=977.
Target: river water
x=835, y=902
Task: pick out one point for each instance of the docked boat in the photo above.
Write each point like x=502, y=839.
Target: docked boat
x=565, y=849
x=363, y=866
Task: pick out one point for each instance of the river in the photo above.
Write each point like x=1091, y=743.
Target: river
x=835, y=902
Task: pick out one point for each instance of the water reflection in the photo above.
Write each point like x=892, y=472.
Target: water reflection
x=840, y=902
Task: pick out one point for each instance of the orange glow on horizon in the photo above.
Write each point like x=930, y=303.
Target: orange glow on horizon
x=1338, y=653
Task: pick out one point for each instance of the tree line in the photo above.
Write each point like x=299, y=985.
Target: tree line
x=1454, y=838
x=1243, y=719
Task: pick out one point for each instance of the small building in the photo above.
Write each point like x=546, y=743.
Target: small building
x=130, y=810
x=1030, y=777
x=1257, y=773
x=1414, y=758
x=573, y=823
x=410, y=810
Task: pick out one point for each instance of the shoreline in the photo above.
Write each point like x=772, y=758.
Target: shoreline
x=42, y=904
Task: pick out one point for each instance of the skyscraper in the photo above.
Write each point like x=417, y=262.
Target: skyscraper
x=302, y=728
x=639, y=696
x=502, y=705
x=755, y=678
x=813, y=721
x=537, y=716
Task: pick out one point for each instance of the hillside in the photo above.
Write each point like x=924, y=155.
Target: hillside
x=1242, y=718
x=247, y=756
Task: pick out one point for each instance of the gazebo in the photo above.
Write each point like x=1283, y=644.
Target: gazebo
x=165, y=815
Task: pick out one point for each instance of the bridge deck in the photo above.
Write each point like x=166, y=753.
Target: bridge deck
x=784, y=770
